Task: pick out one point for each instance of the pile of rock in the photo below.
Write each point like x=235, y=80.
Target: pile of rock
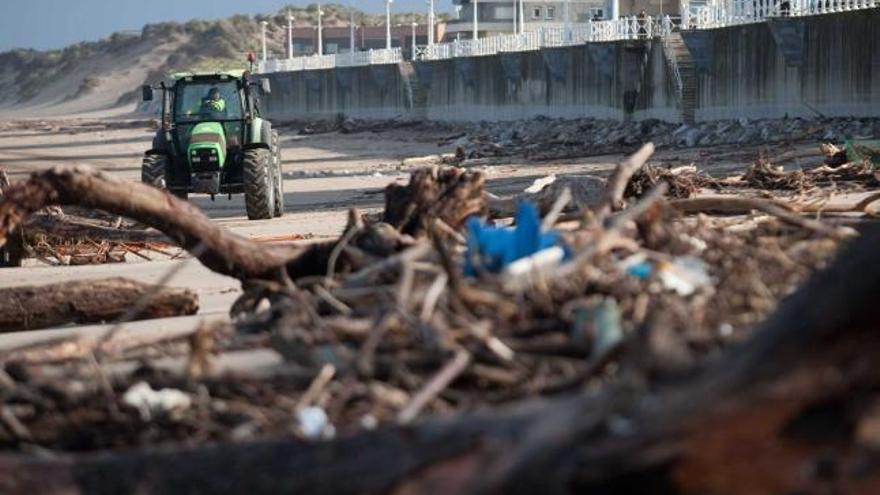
x=542, y=136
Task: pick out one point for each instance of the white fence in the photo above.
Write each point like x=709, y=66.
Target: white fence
x=330, y=61
x=625, y=28
x=721, y=13
x=696, y=14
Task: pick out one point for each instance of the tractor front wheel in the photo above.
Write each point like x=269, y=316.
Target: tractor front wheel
x=259, y=187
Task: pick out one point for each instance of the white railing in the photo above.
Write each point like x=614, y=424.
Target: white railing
x=696, y=14
x=480, y=47
x=720, y=13
x=625, y=28
x=330, y=61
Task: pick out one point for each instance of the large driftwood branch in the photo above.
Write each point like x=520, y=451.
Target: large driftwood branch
x=744, y=205
x=742, y=424
x=182, y=222
x=89, y=301
x=217, y=248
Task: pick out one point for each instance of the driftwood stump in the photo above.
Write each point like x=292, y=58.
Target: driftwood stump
x=449, y=194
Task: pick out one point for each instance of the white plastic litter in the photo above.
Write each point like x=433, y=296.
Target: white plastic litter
x=314, y=424
x=530, y=268
x=540, y=184
x=151, y=402
x=685, y=275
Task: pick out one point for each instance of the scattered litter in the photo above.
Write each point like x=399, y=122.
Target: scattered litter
x=637, y=265
x=520, y=272
x=539, y=184
x=493, y=248
x=685, y=275
x=314, y=424
x=151, y=403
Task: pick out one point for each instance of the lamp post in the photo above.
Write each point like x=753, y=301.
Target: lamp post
x=613, y=9
x=351, y=32
x=522, y=17
x=515, y=25
x=567, y=16
x=320, y=31
x=431, y=22
x=290, y=20
x=476, y=19
x=414, y=26
x=265, y=54
x=388, y=24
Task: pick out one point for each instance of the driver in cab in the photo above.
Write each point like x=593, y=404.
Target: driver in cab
x=214, y=102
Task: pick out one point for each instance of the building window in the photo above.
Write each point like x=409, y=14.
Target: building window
x=551, y=13
x=332, y=48
x=536, y=13
x=597, y=13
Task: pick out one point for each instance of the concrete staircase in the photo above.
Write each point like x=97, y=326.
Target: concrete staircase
x=682, y=67
x=418, y=97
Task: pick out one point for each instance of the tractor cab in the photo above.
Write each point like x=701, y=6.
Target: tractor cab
x=214, y=141
x=207, y=126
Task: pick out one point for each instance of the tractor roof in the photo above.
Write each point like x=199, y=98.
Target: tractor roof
x=223, y=74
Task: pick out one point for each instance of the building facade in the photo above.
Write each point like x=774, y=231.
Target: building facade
x=651, y=7
x=500, y=17
x=338, y=39
x=496, y=17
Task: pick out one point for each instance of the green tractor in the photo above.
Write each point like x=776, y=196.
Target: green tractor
x=216, y=142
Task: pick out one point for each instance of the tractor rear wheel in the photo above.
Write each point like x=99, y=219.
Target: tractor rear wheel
x=153, y=173
x=279, y=176
x=259, y=189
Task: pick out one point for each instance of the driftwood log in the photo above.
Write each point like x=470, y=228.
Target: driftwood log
x=785, y=412
x=89, y=301
x=64, y=227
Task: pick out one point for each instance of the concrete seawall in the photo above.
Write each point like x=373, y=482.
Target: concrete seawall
x=374, y=92
x=603, y=80
x=825, y=65
x=800, y=67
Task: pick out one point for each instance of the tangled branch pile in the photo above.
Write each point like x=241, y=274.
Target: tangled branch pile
x=384, y=327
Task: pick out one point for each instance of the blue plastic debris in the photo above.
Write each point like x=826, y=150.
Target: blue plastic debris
x=641, y=271
x=495, y=248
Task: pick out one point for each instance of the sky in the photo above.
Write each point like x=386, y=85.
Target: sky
x=46, y=24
